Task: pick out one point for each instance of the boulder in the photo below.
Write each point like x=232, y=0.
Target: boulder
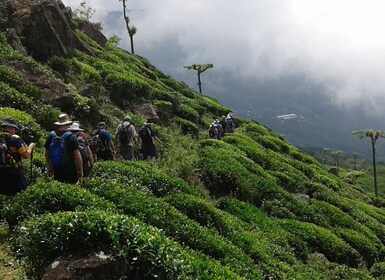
x=93, y=32
x=148, y=112
x=304, y=197
x=44, y=28
x=95, y=266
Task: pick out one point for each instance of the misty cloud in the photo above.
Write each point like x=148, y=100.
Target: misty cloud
x=339, y=44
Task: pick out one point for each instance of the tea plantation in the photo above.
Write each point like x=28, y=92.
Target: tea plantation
x=249, y=206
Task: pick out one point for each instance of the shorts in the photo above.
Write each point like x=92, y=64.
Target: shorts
x=12, y=180
x=149, y=151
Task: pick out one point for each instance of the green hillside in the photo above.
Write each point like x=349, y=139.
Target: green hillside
x=250, y=206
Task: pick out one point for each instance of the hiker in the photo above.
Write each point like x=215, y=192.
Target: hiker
x=216, y=130
x=84, y=148
x=127, y=137
x=102, y=144
x=230, y=123
x=62, y=153
x=147, y=136
x=12, y=151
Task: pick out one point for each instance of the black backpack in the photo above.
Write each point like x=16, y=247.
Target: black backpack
x=125, y=134
x=145, y=133
x=6, y=157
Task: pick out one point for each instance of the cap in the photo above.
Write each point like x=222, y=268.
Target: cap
x=127, y=118
x=63, y=119
x=101, y=124
x=9, y=123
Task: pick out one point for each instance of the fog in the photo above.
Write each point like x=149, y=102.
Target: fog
x=339, y=45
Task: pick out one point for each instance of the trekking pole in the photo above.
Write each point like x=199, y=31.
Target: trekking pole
x=31, y=165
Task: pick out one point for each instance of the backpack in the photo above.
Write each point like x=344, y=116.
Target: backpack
x=213, y=131
x=58, y=153
x=6, y=158
x=83, y=148
x=230, y=122
x=125, y=134
x=145, y=133
x=97, y=143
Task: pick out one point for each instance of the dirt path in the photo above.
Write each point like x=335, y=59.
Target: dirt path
x=9, y=267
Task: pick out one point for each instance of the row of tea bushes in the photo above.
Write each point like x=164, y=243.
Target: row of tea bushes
x=158, y=213
x=147, y=252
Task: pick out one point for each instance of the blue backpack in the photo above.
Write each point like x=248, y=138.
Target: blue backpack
x=58, y=153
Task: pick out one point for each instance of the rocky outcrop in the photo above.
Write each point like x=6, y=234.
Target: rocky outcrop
x=92, y=31
x=44, y=28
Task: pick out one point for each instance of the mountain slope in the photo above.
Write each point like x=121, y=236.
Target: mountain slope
x=250, y=206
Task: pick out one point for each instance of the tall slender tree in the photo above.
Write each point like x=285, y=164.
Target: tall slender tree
x=374, y=135
x=200, y=68
x=355, y=156
x=336, y=156
x=130, y=29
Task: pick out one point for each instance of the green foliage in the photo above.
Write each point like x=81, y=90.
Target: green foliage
x=145, y=178
x=3, y=16
x=187, y=127
x=158, y=213
x=323, y=241
x=188, y=113
x=378, y=270
x=145, y=250
x=44, y=198
x=29, y=130
x=164, y=109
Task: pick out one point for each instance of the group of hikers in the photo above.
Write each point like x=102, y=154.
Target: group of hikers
x=219, y=127
x=69, y=152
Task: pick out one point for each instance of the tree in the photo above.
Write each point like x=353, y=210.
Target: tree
x=355, y=156
x=325, y=150
x=374, y=135
x=130, y=29
x=200, y=68
x=336, y=156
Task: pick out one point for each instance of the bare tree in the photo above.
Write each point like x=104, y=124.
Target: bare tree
x=374, y=135
x=200, y=68
x=130, y=29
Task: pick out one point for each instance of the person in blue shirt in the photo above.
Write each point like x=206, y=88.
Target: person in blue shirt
x=12, y=179
x=106, y=149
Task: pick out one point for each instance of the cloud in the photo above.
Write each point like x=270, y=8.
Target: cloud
x=339, y=44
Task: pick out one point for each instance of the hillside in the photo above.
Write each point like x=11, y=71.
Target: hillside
x=249, y=206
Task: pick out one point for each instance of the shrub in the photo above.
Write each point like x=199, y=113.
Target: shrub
x=148, y=253
x=187, y=113
x=144, y=177
x=29, y=130
x=164, y=109
x=378, y=270
x=176, y=225
x=187, y=127
x=323, y=241
x=52, y=197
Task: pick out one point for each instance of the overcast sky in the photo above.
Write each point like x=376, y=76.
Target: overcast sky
x=338, y=43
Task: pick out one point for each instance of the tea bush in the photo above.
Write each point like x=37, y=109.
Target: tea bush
x=158, y=213
x=52, y=197
x=187, y=127
x=144, y=177
x=148, y=252
x=323, y=241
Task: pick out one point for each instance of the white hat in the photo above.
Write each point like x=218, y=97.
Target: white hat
x=75, y=127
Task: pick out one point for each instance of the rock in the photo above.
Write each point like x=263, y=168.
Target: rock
x=304, y=197
x=14, y=40
x=91, y=31
x=147, y=111
x=333, y=171
x=44, y=28
x=95, y=266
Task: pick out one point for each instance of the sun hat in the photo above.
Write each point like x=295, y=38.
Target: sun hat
x=75, y=127
x=63, y=119
x=9, y=123
x=127, y=118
